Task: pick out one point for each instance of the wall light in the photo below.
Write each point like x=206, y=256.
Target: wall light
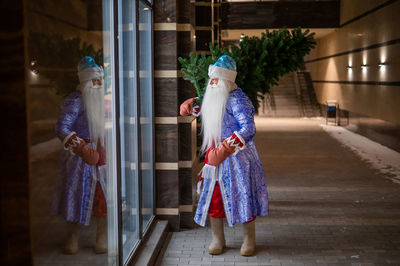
x=364, y=66
x=382, y=66
x=33, y=67
x=349, y=68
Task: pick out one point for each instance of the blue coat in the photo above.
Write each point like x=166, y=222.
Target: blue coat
x=76, y=180
x=240, y=176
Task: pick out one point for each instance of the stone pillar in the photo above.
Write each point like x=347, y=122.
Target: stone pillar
x=174, y=139
x=14, y=187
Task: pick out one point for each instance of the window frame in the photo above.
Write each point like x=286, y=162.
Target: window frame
x=142, y=234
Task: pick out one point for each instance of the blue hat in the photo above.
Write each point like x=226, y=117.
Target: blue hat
x=227, y=62
x=88, y=69
x=86, y=62
x=224, y=68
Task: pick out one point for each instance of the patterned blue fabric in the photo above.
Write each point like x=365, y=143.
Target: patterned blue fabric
x=241, y=175
x=227, y=62
x=86, y=62
x=76, y=180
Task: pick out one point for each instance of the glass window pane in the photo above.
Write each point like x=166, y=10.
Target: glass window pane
x=146, y=112
x=128, y=126
x=110, y=131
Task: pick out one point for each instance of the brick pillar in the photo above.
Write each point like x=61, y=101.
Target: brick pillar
x=175, y=141
x=14, y=186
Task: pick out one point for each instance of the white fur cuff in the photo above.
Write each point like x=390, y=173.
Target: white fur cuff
x=66, y=139
x=221, y=73
x=209, y=171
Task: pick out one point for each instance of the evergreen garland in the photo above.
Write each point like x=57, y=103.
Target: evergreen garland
x=260, y=61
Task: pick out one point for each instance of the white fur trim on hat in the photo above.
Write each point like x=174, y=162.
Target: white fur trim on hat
x=90, y=73
x=221, y=73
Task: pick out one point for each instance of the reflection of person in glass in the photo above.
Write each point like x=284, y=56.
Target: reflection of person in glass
x=234, y=185
x=80, y=191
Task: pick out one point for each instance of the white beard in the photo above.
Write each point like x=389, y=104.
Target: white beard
x=93, y=99
x=213, y=111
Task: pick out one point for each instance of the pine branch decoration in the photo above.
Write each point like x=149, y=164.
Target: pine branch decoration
x=260, y=61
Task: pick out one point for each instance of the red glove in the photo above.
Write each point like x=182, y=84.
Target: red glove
x=186, y=107
x=231, y=145
x=80, y=148
x=219, y=154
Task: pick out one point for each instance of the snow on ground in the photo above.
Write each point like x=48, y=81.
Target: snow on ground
x=386, y=160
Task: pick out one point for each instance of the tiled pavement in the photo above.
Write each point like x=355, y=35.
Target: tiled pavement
x=327, y=207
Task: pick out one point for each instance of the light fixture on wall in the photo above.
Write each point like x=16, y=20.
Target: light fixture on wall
x=33, y=62
x=33, y=67
x=349, y=68
x=364, y=66
x=241, y=37
x=382, y=65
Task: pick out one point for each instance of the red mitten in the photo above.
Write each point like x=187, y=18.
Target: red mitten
x=231, y=145
x=186, y=107
x=219, y=154
x=80, y=148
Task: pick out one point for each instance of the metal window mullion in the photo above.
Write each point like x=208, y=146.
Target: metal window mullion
x=152, y=112
x=138, y=131
x=117, y=130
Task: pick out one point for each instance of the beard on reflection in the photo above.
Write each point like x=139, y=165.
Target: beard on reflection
x=213, y=111
x=93, y=99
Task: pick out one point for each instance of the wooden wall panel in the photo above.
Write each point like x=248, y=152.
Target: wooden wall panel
x=261, y=15
x=165, y=97
x=166, y=143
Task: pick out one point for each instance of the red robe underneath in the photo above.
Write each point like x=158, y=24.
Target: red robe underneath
x=216, y=208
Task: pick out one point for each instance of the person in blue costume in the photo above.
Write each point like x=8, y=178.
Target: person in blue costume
x=80, y=185
x=233, y=178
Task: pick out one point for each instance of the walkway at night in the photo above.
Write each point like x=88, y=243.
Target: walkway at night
x=327, y=206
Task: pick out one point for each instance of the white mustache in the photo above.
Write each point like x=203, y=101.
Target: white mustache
x=97, y=87
x=213, y=85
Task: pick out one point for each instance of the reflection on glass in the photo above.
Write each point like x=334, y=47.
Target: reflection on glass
x=81, y=181
x=146, y=112
x=68, y=176
x=128, y=126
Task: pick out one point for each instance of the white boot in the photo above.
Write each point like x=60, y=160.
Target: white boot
x=101, y=246
x=218, y=239
x=249, y=239
x=71, y=246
